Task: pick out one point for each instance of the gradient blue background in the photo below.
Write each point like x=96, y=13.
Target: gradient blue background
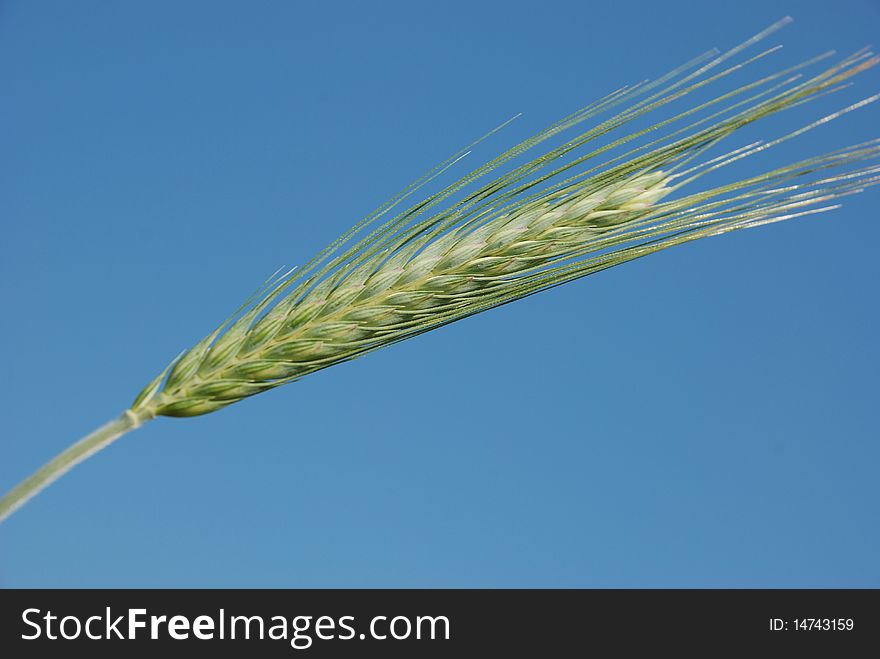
x=704, y=417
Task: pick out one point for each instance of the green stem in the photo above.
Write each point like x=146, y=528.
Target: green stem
x=67, y=460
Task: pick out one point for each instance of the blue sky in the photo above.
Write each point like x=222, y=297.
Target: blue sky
x=703, y=417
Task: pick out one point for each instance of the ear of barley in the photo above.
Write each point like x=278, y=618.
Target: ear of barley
x=603, y=197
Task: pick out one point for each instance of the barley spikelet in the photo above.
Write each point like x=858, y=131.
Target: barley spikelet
x=604, y=196
x=387, y=297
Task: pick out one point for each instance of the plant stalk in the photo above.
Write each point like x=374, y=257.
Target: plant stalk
x=67, y=460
